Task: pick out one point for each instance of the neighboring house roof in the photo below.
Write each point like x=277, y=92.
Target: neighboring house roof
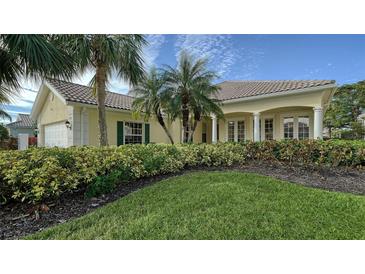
x=72, y=92
x=240, y=89
x=83, y=94
x=23, y=121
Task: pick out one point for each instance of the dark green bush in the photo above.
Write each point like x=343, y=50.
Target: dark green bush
x=103, y=184
x=39, y=173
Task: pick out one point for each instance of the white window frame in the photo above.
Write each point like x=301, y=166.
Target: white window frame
x=135, y=122
x=263, y=118
x=293, y=121
x=235, y=120
x=304, y=116
x=296, y=115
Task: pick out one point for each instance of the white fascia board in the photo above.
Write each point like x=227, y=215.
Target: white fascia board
x=36, y=105
x=283, y=93
x=71, y=103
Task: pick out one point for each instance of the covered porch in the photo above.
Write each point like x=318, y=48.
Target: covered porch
x=297, y=122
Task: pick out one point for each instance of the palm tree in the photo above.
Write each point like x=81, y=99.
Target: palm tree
x=34, y=56
x=193, y=93
x=107, y=55
x=204, y=103
x=151, y=99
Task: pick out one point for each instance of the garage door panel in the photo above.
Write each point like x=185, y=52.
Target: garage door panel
x=55, y=135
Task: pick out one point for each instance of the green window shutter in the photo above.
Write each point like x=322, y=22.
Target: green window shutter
x=120, y=133
x=146, y=133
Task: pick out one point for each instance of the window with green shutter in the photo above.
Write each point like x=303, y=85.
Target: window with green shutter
x=146, y=133
x=120, y=133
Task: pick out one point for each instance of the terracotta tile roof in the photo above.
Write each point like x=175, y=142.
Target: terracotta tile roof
x=23, y=121
x=83, y=94
x=229, y=90
x=239, y=89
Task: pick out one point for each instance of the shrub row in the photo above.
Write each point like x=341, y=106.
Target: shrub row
x=40, y=173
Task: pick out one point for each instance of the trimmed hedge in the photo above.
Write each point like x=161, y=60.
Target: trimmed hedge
x=40, y=173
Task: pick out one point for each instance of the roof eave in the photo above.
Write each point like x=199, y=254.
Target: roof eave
x=80, y=104
x=275, y=94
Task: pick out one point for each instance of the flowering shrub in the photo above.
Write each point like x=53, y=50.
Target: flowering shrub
x=39, y=173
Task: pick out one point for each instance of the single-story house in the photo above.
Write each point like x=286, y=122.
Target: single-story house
x=66, y=114
x=23, y=124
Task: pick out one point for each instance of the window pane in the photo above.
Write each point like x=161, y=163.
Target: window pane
x=133, y=133
x=269, y=129
x=231, y=131
x=241, y=131
x=303, y=128
x=288, y=128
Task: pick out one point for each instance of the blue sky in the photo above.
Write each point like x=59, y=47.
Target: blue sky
x=247, y=57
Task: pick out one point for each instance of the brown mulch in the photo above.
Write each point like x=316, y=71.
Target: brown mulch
x=18, y=220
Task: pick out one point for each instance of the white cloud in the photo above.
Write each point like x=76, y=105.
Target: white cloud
x=152, y=50
x=23, y=99
x=115, y=83
x=217, y=48
x=249, y=60
x=226, y=58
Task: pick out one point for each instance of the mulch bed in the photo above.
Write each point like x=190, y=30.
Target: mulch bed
x=18, y=220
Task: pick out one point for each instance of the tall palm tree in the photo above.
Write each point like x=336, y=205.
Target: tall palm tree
x=107, y=55
x=151, y=99
x=35, y=56
x=204, y=103
x=193, y=92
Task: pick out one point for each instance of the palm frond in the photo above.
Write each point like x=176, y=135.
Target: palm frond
x=38, y=56
x=5, y=115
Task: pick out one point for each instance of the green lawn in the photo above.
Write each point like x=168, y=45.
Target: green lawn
x=221, y=205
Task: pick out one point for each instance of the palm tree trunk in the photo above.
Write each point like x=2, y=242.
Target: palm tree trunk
x=185, y=117
x=192, y=130
x=163, y=125
x=197, y=118
x=101, y=94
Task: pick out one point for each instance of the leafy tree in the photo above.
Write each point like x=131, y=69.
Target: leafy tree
x=151, y=99
x=192, y=92
x=358, y=130
x=4, y=133
x=347, y=104
x=35, y=56
x=107, y=55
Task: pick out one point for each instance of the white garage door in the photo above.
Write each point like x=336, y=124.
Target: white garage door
x=55, y=135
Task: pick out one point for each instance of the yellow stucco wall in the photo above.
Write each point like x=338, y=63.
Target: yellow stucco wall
x=308, y=99
x=53, y=110
x=157, y=134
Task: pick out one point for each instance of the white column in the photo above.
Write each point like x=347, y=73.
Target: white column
x=318, y=123
x=256, y=127
x=214, y=129
x=84, y=126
